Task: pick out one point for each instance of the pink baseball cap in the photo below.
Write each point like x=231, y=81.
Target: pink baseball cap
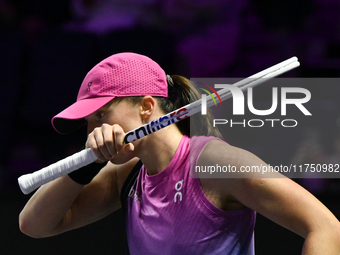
x=120, y=75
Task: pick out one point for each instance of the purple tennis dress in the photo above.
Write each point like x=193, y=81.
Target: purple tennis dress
x=168, y=213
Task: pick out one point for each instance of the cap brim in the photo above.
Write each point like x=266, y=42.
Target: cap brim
x=72, y=117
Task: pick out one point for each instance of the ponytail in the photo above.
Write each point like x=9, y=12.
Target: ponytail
x=181, y=92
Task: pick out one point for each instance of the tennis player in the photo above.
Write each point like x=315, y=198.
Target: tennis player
x=167, y=209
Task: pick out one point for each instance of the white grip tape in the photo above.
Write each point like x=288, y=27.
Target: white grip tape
x=30, y=182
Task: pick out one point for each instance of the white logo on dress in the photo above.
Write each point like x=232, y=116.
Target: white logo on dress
x=178, y=187
x=133, y=194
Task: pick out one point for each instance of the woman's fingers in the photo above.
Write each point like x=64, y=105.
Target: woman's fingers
x=119, y=135
x=107, y=144
x=124, y=154
x=108, y=148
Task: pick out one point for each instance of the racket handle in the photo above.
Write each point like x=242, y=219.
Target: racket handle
x=32, y=181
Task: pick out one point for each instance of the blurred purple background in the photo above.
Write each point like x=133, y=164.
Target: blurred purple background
x=47, y=47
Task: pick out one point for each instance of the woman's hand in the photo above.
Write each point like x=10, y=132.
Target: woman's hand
x=107, y=144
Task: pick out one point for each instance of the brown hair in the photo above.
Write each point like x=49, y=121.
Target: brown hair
x=181, y=92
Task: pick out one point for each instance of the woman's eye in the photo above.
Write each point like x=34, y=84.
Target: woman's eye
x=100, y=115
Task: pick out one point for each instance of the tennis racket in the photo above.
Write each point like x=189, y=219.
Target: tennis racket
x=30, y=182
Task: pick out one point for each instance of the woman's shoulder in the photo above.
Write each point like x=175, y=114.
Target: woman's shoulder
x=202, y=141
x=199, y=143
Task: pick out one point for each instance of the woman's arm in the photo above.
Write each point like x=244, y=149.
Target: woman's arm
x=63, y=204
x=279, y=199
